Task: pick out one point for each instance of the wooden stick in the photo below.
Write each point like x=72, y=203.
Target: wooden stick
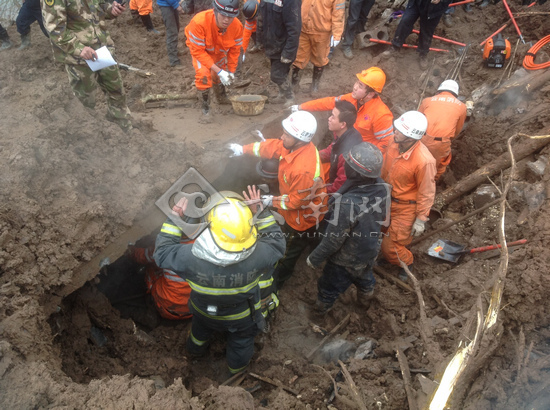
x=469, y=183
x=229, y=382
x=274, y=383
x=336, y=329
x=393, y=279
x=432, y=349
x=353, y=388
x=406, y=45
x=405, y=372
x=447, y=226
x=343, y=399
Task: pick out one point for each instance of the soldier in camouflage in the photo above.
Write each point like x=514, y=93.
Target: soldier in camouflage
x=77, y=29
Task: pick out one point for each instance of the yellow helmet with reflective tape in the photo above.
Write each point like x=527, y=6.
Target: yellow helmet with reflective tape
x=231, y=225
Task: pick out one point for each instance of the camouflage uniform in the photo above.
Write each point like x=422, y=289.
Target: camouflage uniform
x=73, y=25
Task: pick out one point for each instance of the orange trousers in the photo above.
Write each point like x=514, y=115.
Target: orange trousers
x=394, y=244
x=314, y=47
x=171, y=297
x=440, y=148
x=204, y=77
x=144, y=7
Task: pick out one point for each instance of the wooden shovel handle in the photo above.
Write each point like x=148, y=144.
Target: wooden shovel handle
x=491, y=247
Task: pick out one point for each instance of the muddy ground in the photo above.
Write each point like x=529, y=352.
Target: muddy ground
x=74, y=185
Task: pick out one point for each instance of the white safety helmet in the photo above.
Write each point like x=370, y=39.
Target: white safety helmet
x=301, y=125
x=449, y=85
x=412, y=124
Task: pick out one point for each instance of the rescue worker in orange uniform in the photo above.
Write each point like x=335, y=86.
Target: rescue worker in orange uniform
x=215, y=38
x=322, y=28
x=250, y=11
x=446, y=115
x=299, y=174
x=170, y=292
x=374, y=118
x=410, y=169
x=143, y=9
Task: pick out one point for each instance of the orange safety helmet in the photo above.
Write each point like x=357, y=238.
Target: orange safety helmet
x=374, y=77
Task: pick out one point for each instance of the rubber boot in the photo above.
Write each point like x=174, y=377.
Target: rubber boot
x=25, y=41
x=295, y=78
x=316, y=79
x=204, y=99
x=285, y=96
x=403, y=275
x=221, y=94
x=148, y=23
x=322, y=307
x=6, y=44
x=365, y=298
x=347, y=52
x=135, y=16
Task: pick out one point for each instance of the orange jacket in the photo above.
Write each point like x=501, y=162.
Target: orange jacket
x=374, y=118
x=446, y=115
x=208, y=46
x=323, y=16
x=411, y=176
x=249, y=28
x=297, y=169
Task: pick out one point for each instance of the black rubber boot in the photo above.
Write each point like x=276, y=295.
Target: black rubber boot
x=25, y=41
x=403, y=275
x=205, y=101
x=135, y=16
x=285, y=96
x=317, y=74
x=295, y=78
x=148, y=23
x=221, y=94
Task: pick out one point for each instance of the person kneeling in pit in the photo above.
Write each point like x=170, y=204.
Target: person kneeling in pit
x=350, y=242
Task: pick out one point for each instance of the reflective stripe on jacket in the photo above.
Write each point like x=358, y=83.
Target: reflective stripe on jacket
x=297, y=170
x=323, y=16
x=374, y=118
x=208, y=46
x=223, y=292
x=411, y=176
x=249, y=28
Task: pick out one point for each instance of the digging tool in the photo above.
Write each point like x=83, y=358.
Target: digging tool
x=406, y=45
x=452, y=251
x=513, y=21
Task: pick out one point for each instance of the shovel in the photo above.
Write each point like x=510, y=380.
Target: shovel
x=452, y=251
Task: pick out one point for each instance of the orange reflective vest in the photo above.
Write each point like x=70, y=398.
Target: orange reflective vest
x=323, y=16
x=208, y=46
x=446, y=115
x=411, y=175
x=374, y=118
x=297, y=170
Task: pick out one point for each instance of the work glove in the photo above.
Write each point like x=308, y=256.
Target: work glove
x=294, y=108
x=308, y=263
x=333, y=42
x=419, y=227
x=285, y=60
x=244, y=55
x=237, y=150
x=258, y=134
x=267, y=200
x=226, y=77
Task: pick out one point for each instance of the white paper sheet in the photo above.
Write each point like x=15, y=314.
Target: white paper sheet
x=104, y=59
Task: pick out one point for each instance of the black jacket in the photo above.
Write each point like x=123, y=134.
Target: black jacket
x=223, y=292
x=279, y=27
x=351, y=240
x=426, y=7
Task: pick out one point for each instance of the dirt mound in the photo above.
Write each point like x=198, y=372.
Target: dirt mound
x=74, y=184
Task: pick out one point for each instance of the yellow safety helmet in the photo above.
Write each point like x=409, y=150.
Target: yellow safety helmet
x=231, y=225
x=374, y=77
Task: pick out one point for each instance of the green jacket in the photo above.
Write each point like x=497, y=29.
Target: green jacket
x=74, y=24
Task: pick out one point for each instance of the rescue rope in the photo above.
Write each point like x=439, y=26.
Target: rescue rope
x=529, y=60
